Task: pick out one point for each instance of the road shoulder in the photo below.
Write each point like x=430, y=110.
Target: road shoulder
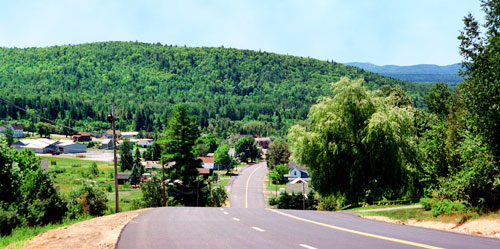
x=482, y=226
x=100, y=232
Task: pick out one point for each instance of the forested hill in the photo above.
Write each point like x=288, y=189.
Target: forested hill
x=415, y=73
x=230, y=90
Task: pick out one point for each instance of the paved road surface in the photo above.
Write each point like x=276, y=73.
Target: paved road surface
x=247, y=188
x=190, y=227
x=247, y=224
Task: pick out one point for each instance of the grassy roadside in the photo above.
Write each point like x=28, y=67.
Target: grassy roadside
x=420, y=214
x=21, y=235
x=378, y=207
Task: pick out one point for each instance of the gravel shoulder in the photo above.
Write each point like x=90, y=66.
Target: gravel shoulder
x=100, y=232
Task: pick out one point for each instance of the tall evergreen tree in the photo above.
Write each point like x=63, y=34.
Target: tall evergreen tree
x=178, y=143
x=126, y=159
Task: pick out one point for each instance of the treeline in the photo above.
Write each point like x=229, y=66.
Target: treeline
x=229, y=90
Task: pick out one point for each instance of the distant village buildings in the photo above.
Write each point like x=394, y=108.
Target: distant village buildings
x=44, y=145
x=82, y=137
x=17, y=130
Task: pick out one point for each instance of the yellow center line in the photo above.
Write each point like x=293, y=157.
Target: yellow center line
x=246, y=188
x=357, y=232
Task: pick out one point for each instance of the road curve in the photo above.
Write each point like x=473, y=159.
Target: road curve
x=247, y=188
x=191, y=227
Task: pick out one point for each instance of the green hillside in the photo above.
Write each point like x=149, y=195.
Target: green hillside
x=230, y=90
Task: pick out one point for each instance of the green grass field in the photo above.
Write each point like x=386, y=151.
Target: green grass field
x=70, y=172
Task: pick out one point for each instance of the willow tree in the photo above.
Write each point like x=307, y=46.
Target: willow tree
x=358, y=145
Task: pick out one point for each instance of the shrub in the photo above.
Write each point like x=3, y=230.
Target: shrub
x=331, y=202
x=152, y=192
x=109, y=188
x=93, y=170
x=218, y=196
x=447, y=207
x=8, y=221
x=40, y=204
x=137, y=204
x=88, y=200
x=273, y=200
x=295, y=201
x=426, y=203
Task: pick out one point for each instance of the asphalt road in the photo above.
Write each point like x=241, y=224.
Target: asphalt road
x=247, y=224
x=247, y=188
x=191, y=227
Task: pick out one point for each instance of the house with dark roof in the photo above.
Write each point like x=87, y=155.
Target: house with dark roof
x=296, y=171
x=123, y=177
x=106, y=144
x=18, y=130
x=82, y=137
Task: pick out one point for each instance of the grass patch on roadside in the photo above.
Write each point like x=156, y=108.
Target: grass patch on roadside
x=420, y=214
x=378, y=206
x=21, y=235
x=126, y=197
x=223, y=182
x=272, y=187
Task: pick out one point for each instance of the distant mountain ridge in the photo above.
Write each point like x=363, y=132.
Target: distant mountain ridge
x=415, y=73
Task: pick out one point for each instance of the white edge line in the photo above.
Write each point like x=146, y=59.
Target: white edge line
x=306, y=246
x=259, y=229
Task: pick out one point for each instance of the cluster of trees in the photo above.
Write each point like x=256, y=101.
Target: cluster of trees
x=359, y=145
x=295, y=201
x=229, y=90
x=28, y=196
x=365, y=145
x=185, y=186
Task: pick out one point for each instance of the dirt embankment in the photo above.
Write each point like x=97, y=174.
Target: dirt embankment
x=488, y=227
x=101, y=232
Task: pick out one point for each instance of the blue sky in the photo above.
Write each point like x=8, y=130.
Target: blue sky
x=400, y=32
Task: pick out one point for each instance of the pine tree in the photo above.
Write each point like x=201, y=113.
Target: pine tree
x=178, y=144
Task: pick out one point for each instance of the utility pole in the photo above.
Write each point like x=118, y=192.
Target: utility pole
x=111, y=118
x=303, y=195
x=163, y=182
x=197, y=189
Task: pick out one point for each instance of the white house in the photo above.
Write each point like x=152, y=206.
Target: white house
x=17, y=129
x=296, y=171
